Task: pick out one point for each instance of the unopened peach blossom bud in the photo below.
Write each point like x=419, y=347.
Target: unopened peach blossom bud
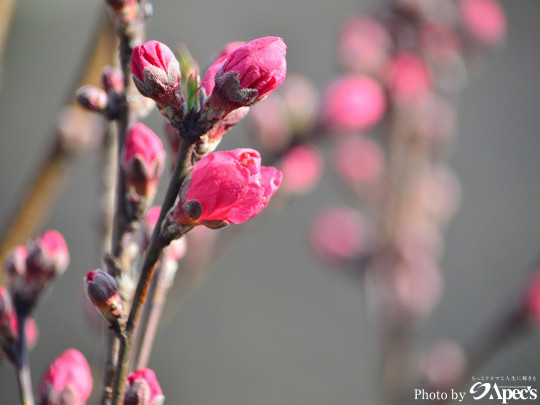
x=112, y=79
x=143, y=389
x=92, y=98
x=48, y=258
x=156, y=73
x=143, y=159
x=250, y=73
x=102, y=290
x=67, y=380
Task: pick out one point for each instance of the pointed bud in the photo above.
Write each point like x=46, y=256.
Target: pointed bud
x=156, y=73
x=208, y=81
x=143, y=389
x=143, y=160
x=92, y=98
x=250, y=73
x=112, y=79
x=102, y=290
x=67, y=380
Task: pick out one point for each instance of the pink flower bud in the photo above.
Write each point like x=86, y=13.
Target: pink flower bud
x=364, y=45
x=112, y=79
x=229, y=187
x=408, y=78
x=484, y=20
x=48, y=256
x=67, y=380
x=302, y=168
x=358, y=160
x=339, y=234
x=92, y=98
x=156, y=73
x=102, y=290
x=143, y=389
x=208, y=81
x=353, y=103
x=143, y=160
x=250, y=73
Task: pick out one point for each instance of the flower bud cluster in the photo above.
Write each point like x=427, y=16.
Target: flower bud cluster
x=242, y=74
x=31, y=269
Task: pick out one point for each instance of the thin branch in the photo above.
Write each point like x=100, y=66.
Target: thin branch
x=23, y=363
x=151, y=258
x=7, y=8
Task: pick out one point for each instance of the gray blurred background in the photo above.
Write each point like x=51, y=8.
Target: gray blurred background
x=272, y=324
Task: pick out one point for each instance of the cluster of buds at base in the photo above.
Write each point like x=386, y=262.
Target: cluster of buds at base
x=143, y=389
x=67, y=380
x=102, y=290
x=31, y=269
x=104, y=101
x=143, y=160
x=224, y=187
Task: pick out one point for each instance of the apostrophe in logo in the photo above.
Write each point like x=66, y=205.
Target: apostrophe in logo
x=504, y=394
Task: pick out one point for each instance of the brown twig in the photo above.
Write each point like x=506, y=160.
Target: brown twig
x=22, y=362
x=130, y=32
x=7, y=7
x=151, y=258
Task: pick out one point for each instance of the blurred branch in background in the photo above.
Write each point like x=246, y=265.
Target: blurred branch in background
x=77, y=130
x=7, y=8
